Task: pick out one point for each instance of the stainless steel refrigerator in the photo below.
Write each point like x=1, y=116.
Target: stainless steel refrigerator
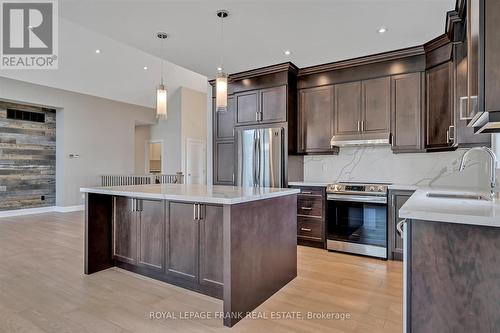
x=261, y=157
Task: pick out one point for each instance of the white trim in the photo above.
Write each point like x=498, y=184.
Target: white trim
x=41, y=210
x=67, y=209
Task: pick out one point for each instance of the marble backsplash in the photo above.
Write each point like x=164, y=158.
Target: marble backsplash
x=379, y=164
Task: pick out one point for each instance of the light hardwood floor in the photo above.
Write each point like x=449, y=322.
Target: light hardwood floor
x=43, y=289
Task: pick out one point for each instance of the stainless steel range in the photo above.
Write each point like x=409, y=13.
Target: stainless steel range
x=357, y=218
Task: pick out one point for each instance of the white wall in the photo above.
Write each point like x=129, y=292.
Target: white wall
x=101, y=131
x=142, y=135
x=379, y=164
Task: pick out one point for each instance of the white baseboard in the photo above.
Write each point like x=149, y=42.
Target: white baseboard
x=41, y=210
x=67, y=209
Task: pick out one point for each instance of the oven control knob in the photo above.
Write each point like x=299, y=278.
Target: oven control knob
x=372, y=189
x=381, y=189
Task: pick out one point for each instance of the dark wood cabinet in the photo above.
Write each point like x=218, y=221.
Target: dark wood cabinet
x=224, y=121
x=439, y=109
x=316, y=119
x=247, y=107
x=407, y=112
x=182, y=242
x=376, y=108
x=464, y=136
x=348, y=108
x=397, y=198
x=224, y=163
x=311, y=216
x=261, y=106
x=273, y=104
x=151, y=233
x=125, y=230
x=211, y=251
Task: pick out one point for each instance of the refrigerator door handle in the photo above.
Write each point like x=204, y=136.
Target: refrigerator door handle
x=254, y=183
x=259, y=143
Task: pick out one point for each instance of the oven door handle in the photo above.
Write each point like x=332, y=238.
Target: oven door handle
x=357, y=198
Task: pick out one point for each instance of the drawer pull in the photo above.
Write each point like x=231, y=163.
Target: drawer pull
x=306, y=192
x=305, y=229
x=306, y=208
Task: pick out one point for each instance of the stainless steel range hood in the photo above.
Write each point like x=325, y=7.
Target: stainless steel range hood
x=372, y=139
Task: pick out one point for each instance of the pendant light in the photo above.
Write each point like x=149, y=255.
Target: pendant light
x=161, y=92
x=221, y=80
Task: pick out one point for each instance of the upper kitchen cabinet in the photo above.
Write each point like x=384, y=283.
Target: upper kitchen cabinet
x=439, y=109
x=407, y=112
x=247, y=107
x=316, y=120
x=483, y=36
x=376, y=97
x=224, y=121
x=348, y=109
x=261, y=106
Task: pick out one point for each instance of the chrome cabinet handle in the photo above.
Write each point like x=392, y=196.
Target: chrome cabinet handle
x=362, y=125
x=195, y=212
x=306, y=192
x=306, y=208
x=359, y=126
x=451, y=137
x=305, y=229
x=199, y=212
x=256, y=115
x=133, y=205
x=399, y=227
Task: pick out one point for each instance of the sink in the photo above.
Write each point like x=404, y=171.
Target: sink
x=460, y=196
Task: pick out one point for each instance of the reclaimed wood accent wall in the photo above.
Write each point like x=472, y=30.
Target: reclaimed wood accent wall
x=27, y=159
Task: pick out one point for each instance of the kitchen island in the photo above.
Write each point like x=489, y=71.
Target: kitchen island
x=236, y=244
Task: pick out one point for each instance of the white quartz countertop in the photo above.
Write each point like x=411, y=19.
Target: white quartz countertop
x=461, y=211
x=312, y=184
x=226, y=195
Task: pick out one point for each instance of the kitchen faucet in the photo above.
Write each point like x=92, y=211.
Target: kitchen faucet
x=493, y=167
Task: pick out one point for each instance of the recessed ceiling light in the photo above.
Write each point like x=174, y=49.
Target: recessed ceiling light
x=97, y=51
x=382, y=30
x=287, y=52
x=145, y=68
x=219, y=69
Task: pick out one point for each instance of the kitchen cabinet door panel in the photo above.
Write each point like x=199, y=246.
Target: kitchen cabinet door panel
x=407, y=113
x=397, y=198
x=439, y=116
x=247, y=107
x=376, y=105
x=273, y=104
x=347, y=108
x=125, y=230
x=316, y=118
x=151, y=233
x=224, y=121
x=224, y=166
x=182, y=242
x=211, y=251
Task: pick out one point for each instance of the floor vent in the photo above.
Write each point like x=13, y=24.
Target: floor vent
x=25, y=115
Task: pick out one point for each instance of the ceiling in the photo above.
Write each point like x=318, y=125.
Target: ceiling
x=258, y=32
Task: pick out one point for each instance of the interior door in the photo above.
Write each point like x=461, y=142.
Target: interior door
x=348, y=108
x=195, y=162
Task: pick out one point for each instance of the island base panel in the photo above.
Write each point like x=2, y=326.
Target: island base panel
x=260, y=253
x=98, y=232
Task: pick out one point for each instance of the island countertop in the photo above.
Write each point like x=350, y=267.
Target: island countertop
x=451, y=210
x=226, y=195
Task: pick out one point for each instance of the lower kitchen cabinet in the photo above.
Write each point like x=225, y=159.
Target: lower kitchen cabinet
x=397, y=198
x=224, y=163
x=125, y=230
x=181, y=243
x=151, y=231
x=311, y=216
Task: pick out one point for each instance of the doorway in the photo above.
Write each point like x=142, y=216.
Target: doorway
x=195, y=162
x=154, y=157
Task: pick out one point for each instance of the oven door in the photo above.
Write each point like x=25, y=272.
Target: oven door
x=357, y=224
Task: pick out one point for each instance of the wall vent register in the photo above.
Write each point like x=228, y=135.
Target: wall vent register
x=25, y=115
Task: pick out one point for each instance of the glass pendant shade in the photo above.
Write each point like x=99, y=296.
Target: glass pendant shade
x=161, y=102
x=221, y=92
